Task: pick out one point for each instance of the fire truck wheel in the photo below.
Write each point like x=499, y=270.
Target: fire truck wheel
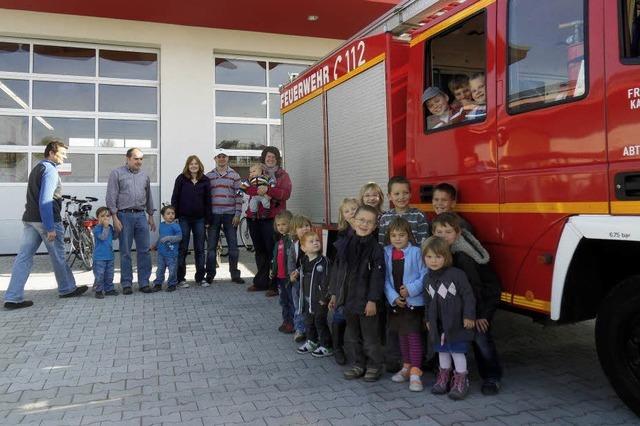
x=618, y=340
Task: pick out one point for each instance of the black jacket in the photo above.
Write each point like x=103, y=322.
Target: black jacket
x=319, y=287
x=192, y=201
x=358, y=273
x=484, y=282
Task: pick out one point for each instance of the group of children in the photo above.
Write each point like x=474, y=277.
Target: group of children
x=469, y=102
x=390, y=283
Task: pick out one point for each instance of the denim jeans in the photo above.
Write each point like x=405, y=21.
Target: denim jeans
x=262, y=235
x=103, y=274
x=286, y=299
x=224, y=222
x=486, y=355
x=170, y=263
x=298, y=318
x=134, y=227
x=197, y=227
x=33, y=235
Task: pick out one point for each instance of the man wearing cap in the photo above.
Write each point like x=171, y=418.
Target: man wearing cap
x=130, y=201
x=226, y=208
x=441, y=114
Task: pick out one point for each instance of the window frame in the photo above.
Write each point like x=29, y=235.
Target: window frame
x=516, y=111
x=427, y=54
x=96, y=150
x=266, y=90
x=622, y=14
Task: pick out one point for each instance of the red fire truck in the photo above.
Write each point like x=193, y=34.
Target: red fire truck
x=548, y=173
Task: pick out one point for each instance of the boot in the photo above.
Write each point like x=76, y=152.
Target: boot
x=442, y=382
x=337, y=331
x=459, y=386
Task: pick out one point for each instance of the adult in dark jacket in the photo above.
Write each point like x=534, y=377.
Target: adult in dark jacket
x=261, y=229
x=42, y=223
x=357, y=284
x=191, y=199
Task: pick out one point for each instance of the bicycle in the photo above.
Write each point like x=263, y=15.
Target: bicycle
x=78, y=230
x=244, y=238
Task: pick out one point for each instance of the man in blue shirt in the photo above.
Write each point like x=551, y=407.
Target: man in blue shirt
x=43, y=223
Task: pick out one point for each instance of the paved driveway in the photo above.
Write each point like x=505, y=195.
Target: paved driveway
x=203, y=356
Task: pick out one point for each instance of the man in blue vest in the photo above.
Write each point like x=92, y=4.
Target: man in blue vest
x=43, y=223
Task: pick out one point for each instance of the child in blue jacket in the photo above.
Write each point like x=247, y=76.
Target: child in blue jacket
x=403, y=289
x=168, y=246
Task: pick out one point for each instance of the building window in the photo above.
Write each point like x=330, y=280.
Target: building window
x=247, y=104
x=101, y=100
x=546, y=54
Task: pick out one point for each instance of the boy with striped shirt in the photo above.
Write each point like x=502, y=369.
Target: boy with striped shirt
x=400, y=195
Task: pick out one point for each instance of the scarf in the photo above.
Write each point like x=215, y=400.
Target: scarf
x=470, y=245
x=271, y=171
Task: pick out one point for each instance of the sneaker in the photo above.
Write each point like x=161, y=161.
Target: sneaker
x=237, y=280
x=308, y=347
x=271, y=293
x=111, y=293
x=145, y=289
x=441, y=386
x=18, y=305
x=171, y=288
x=490, y=387
x=156, y=288
x=127, y=291
x=204, y=283
x=322, y=352
x=183, y=284
x=401, y=376
x=354, y=372
x=99, y=295
x=460, y=386
x=415, y=381
x=373, y=374
x=299, y=337
x=79, y=291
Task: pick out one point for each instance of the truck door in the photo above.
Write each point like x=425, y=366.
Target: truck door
x=456, y=146
x=622, y=63
x=551, y=142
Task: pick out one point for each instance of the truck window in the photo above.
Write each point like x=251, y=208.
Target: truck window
x=546, y=55
x=454, y=88
x=630, y=29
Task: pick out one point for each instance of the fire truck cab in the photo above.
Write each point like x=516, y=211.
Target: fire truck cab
x=536, y=128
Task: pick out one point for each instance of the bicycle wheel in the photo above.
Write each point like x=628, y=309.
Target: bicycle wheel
x=68, y=244
x=223, y=248
x=86, y=249
x=245, y=235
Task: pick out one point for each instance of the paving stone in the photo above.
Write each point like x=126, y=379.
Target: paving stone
x=213, y=355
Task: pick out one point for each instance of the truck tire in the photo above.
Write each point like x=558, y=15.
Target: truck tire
x=618, y=340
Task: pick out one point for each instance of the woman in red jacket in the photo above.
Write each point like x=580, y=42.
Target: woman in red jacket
x=261, y=229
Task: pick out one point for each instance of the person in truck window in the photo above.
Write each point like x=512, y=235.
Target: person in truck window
x=477, y=110
x=441, y=114
x=459, y=87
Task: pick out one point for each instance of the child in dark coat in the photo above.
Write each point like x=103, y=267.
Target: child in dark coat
x=450, y=311
x=358, y=285
x=473, y=259
x=314, y=297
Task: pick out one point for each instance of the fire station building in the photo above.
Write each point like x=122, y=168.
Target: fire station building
x=169, y=78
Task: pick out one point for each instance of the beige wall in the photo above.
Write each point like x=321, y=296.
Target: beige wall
x=186, y=74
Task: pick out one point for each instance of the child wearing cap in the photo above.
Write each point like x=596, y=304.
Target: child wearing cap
x=441, y=113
